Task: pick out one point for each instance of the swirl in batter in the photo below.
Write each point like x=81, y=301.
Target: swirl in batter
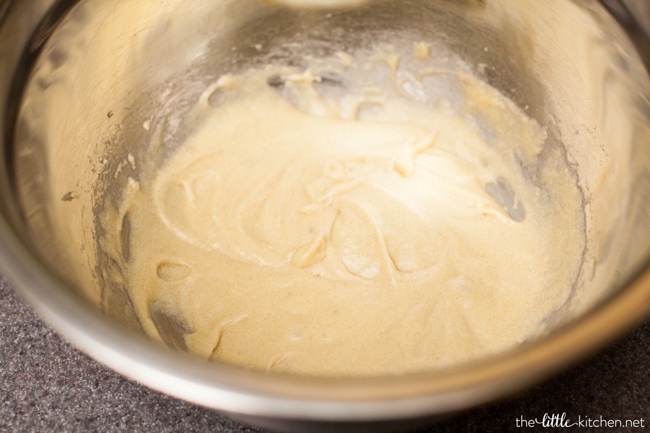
x=319, y=224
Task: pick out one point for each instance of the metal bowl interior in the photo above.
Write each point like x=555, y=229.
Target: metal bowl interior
x=81, y=77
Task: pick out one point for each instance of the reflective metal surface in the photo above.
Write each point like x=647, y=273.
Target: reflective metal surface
x=78, y=79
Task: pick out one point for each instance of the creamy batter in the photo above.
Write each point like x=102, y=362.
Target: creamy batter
x=333, y=220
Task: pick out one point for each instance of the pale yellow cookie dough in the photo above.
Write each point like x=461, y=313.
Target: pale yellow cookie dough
x=320, y=232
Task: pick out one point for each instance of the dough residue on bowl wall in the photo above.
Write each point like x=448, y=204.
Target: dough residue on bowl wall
x=336, y=219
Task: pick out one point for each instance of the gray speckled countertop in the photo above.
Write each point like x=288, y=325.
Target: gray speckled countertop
x=46, y=385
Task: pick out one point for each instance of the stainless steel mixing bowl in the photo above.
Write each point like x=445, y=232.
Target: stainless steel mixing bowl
x=79, y=79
